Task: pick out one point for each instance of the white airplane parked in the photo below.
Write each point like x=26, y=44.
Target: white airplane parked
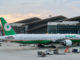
x=10, y=35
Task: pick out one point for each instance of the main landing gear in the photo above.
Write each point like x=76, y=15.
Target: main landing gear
x=46, y=46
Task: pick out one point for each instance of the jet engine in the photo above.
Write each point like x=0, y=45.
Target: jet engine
x=67, y=42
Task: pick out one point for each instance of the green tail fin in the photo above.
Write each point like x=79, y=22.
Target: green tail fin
x=7, y=28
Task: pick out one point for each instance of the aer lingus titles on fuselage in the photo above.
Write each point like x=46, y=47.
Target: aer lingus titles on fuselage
x=11, y=35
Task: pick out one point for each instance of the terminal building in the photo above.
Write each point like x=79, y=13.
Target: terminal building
x=69, y=27
x=34, y=25
x=57, y=24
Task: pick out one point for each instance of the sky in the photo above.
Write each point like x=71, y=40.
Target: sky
x=15, y=10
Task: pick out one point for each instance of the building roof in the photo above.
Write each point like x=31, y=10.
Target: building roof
x=74, y=19
x=56, y=18
x=28, y=20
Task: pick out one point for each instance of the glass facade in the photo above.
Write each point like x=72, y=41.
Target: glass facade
x=73, y=29
x=19, y=29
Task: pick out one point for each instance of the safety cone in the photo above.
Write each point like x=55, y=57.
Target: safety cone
x=67, y=49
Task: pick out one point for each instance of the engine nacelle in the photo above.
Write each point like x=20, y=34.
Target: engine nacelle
x=67, y=42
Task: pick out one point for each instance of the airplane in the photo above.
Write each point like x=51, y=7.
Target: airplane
x=10, y=35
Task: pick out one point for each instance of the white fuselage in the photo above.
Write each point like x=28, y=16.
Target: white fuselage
x=53, y=37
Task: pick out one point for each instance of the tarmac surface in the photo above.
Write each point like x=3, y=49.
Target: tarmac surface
x=11, y=51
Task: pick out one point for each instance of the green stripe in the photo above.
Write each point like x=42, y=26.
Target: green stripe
x=75, y=41
x=33, y=42
x=40, y=41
